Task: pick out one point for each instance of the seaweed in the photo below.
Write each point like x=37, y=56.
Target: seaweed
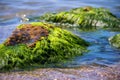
x=57, y=46
x=85, y=18
x=115, y=41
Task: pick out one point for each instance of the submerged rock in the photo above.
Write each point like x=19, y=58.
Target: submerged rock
x=84, y=18
x=115, y=41
x=39, y=43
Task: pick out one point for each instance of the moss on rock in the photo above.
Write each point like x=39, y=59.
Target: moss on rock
x=115, y=41
x=84, y=18
x=53, y=46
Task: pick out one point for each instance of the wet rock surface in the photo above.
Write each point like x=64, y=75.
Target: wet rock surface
x=29, y=34
x=81, y=73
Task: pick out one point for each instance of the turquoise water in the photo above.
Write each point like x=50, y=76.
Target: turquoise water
x=101, y=52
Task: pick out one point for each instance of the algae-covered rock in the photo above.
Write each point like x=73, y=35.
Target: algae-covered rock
x=28, y=34
x=84, y=18
x=39, y=43
x=115, y=41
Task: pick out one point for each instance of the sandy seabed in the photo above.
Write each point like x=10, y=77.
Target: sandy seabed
x=82, y=73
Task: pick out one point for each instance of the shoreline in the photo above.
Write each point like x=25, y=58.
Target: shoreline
x=81, y=73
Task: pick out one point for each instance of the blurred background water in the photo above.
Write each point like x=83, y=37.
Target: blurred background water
x=12, y=12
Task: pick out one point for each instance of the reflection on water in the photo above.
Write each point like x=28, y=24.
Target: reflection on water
x=13, y=11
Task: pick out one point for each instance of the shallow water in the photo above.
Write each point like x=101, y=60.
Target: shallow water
x=101, y=53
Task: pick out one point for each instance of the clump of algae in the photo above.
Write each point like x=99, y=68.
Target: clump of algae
x=39, y=43
x=85, y=18
x=115, y=41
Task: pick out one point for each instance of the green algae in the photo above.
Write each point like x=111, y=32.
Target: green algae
x=42, y=24
x=58, y=46
x=85, y=18
x=115, y=41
